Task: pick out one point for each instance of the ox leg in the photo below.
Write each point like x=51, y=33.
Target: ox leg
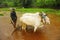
x=35, y=28
x=24, y=27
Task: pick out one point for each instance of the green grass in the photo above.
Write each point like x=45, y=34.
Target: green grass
x=1, y=14
x=30, y=9
x=23, y=10
x=35, y=10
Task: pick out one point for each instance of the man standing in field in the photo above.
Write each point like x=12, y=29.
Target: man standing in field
x=13, y=17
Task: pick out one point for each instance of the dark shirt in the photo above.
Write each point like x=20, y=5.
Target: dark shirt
x=13, y=16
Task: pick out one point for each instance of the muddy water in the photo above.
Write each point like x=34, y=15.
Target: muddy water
x=48, y=32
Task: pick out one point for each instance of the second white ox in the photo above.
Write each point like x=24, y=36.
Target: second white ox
x=33, y=20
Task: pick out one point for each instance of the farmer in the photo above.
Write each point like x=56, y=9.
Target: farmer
x=13, y=17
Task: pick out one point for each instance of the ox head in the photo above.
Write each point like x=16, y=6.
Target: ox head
x=44, y=18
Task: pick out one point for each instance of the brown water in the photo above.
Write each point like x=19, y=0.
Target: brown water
x=48, y=32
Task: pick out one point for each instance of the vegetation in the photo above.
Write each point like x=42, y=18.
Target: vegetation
x=1, y=14
x=23, y=10
x=30, y=3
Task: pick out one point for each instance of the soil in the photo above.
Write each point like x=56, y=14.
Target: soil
x=48, y=32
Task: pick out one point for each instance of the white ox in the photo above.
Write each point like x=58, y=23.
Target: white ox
x=33, y=20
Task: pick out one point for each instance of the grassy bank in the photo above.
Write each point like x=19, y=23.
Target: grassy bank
x=47, y=10
x=1, y=14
